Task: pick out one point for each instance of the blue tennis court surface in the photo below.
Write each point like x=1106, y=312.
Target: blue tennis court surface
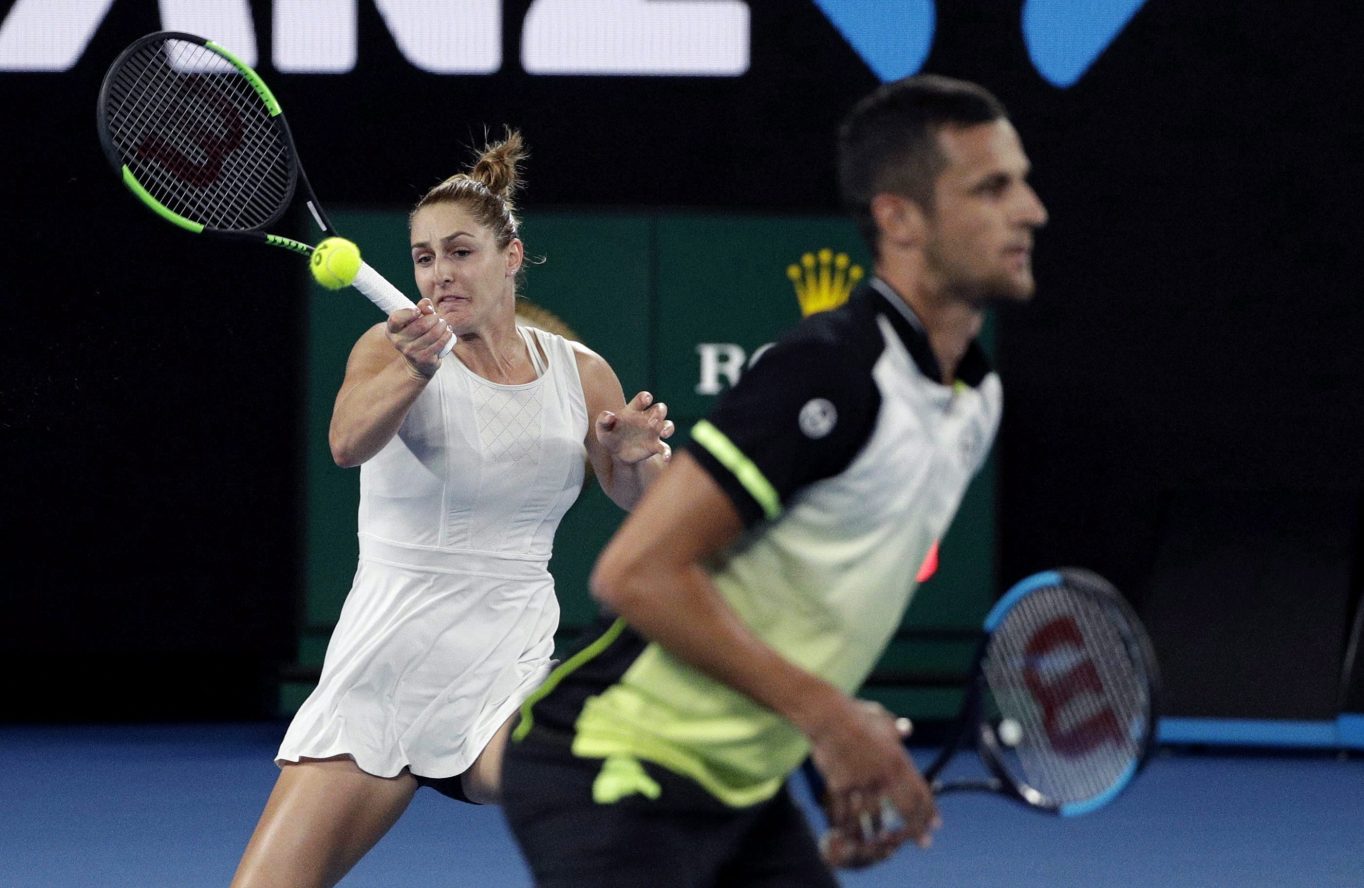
x=172, y=806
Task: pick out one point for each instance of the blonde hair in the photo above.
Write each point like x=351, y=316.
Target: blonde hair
x=487, y=190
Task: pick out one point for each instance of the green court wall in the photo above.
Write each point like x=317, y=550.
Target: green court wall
x=677, y=303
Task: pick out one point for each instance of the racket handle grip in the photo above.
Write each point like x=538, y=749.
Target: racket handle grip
x=387, y=297
x=379, y=291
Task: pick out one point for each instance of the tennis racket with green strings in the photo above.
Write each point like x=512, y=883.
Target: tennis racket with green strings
x=200, y=139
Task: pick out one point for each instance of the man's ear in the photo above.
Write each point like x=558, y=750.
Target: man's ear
x=900, y=221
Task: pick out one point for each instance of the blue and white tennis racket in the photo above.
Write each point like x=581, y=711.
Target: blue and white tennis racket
x=1062, y=702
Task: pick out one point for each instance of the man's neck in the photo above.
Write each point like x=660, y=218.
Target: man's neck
x=951, y=325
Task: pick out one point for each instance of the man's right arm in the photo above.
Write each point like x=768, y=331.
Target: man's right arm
x=652, y=574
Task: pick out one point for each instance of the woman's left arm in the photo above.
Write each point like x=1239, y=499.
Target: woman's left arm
x=625, y=442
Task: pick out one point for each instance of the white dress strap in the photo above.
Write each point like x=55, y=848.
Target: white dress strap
x=537, y=358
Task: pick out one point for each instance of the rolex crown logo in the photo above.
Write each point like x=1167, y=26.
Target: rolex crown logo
x=823, y=280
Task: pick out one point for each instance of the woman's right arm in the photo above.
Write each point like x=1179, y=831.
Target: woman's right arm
x=388, y=369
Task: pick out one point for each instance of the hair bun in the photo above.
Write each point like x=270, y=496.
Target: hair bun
x=498, y=168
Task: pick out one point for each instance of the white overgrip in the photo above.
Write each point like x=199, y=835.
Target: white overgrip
x=386, y=296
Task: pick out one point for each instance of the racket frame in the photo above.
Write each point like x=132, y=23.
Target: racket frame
x=373, y=285
x=297, y=176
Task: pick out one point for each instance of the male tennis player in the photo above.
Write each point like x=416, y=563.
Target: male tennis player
x=757, y=583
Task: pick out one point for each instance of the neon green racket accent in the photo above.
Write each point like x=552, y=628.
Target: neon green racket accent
x=275, y=240
x=254, y=79
x=578, y=659
x=161, y=210
x=739, y=465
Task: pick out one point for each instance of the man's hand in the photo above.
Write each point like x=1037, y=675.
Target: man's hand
x=876, y=799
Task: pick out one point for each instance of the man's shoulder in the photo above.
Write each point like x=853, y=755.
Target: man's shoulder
x=846, y=338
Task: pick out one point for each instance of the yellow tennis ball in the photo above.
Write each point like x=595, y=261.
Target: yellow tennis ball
x=335, y=263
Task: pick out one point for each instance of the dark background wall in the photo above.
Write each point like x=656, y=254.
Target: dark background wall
x=1183, y=397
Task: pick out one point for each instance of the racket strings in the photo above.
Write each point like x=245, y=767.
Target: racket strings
x=198, y=137
x=171, y=174
x=1060, y=667
x=190, y=100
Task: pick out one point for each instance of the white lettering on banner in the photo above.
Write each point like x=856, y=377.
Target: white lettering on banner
x=705, y=37
x=459, y=37
x=48, y=35
x=314, y=36
x=692, y=38
x=723, y=362
x=51, y=35
x=451, y=37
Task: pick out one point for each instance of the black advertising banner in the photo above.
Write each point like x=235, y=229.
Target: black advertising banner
x=1195, y=330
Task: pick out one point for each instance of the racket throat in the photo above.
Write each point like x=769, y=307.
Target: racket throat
x=317, y=215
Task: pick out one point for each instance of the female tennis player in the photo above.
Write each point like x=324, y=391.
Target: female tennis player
x=468, y=463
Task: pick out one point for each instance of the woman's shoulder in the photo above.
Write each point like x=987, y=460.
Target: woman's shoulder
x=553, y=342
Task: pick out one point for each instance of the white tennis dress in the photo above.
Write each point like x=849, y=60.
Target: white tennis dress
x=450, y=622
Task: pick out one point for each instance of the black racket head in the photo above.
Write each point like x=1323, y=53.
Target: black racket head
x=1069, y=692
x=197, y=135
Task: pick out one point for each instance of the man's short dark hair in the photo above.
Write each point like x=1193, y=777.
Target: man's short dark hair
x=889, y=140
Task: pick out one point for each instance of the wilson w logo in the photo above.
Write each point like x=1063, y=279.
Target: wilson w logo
x=1062, y=678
